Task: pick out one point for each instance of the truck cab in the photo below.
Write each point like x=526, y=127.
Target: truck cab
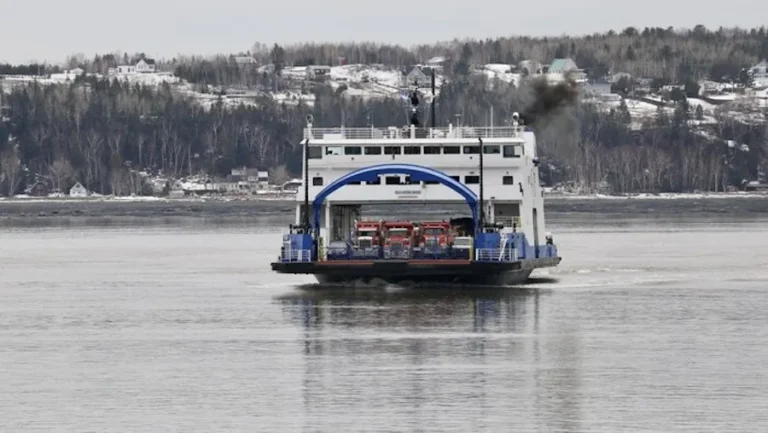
x=367, y=234
x=435, y=237
x=462, y=247
x=397, y=239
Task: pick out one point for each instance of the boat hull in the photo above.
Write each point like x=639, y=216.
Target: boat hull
x=419, y=271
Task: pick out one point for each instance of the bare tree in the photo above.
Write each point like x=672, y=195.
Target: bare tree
x=61, y=173
x=10, y=169
x=278, y=175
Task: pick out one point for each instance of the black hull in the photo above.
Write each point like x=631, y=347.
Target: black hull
x=419, y=271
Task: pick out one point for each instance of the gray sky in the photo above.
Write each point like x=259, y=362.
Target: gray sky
x=52, y=29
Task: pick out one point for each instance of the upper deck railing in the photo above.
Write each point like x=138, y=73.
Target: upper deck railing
x=412, y=132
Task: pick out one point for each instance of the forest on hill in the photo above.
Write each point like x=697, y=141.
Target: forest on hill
x=105, y=134
x=670, y=55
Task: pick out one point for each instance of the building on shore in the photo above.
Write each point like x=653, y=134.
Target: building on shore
x=78, y=191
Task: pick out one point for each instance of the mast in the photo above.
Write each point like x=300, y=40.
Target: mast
x=309, y=119
x=306, y=185
x=482, y=206
x=432, y=108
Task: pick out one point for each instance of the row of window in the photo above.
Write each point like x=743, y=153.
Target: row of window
x=509, y=150
x=397, y=180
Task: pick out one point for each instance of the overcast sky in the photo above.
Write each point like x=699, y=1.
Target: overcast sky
x=52, y=29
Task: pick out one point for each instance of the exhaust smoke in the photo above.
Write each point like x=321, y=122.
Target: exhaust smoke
x=548, y=99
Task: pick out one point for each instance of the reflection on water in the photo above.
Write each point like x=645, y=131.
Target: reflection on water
x=642, y=328
x=472, y=352
x=423, y=307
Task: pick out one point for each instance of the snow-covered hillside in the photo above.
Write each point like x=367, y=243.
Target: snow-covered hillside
x=501, y=71
x=391, y=78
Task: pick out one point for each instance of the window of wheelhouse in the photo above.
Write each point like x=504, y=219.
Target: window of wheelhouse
x=451, y=150
x=492, y=149
x=315, y=152
x=471, y=149
x=333, y=150
x=513, y=151
x=353, y=150
x=372, y=150
x=392, y=150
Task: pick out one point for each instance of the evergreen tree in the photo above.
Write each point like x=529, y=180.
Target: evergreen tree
x=625, y=117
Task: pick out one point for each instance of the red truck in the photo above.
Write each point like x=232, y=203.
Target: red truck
x=397, y=239
x=435, y=237
x=368, y=234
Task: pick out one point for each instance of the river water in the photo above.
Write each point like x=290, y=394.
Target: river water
x=650, y=323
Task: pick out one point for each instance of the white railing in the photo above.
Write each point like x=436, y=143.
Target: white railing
x=509, y=221
x=495, y=255
x=294, y=255
x=411, y=132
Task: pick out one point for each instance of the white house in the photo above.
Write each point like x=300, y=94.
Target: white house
x=529, y=67
x=126, y=69
x=145, y=66
x=78, y=191
x=244, y=60
x=251, y=178
x=421, y=77
x=294, y=72
x=318, y=71
x=561, y=67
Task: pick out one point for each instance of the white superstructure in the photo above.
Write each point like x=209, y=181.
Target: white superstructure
x=511, y=190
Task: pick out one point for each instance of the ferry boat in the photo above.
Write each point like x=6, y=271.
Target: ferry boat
x=493, y=170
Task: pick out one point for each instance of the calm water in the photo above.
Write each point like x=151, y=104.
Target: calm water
x=649, y=324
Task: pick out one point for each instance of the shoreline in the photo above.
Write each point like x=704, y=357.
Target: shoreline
x=289, y=199
x=570, y=207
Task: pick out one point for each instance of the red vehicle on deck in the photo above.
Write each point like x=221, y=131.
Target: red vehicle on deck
x=368, y=234
x=397, y=239
x=435, y=237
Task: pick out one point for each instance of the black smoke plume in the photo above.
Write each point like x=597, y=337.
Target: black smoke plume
x=548, y=99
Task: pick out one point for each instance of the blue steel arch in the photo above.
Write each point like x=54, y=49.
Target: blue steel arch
x=417, y=173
